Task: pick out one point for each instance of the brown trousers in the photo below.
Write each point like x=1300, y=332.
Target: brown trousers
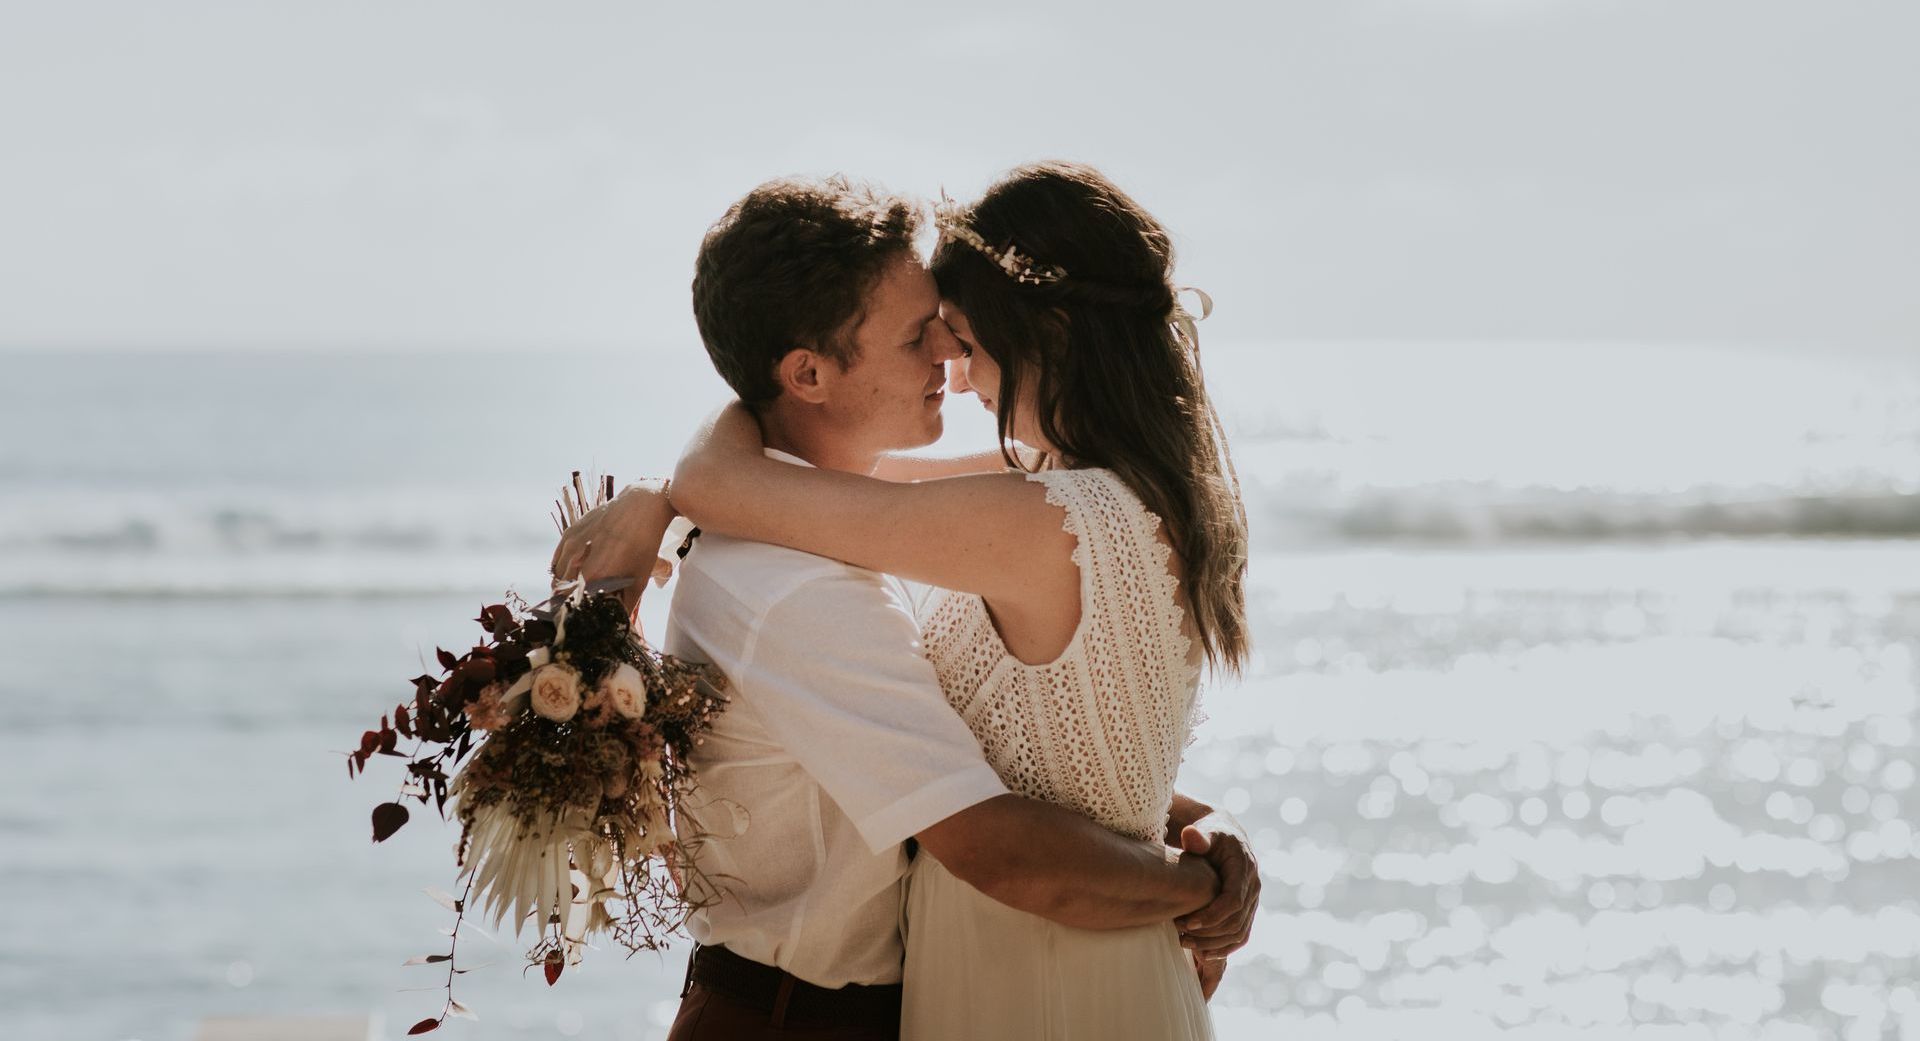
x=709, y=1016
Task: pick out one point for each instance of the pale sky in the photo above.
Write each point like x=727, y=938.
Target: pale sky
x=444, y=174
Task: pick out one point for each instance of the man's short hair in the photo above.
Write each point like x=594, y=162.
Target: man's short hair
x=789, y=266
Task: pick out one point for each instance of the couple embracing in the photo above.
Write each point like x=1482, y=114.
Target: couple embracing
x=951, y=815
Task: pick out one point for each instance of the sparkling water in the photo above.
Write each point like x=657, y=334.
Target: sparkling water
x=1583, y=701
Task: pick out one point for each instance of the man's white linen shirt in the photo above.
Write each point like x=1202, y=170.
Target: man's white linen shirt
x=836, y=747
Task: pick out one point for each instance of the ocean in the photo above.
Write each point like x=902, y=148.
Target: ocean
x=1583, y=701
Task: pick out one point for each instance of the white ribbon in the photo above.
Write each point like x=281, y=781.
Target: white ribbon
x=1183, y=320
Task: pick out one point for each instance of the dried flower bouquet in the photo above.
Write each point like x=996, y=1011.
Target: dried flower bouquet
x=574, y=736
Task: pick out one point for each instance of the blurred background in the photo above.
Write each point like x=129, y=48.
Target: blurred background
x=1570, y=351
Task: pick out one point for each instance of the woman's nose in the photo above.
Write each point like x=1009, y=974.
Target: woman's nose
x=946, y=346
x=957, y=375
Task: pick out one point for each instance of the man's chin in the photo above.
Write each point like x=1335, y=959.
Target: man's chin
x=927, y=433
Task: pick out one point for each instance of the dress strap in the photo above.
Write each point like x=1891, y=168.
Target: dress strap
x=1128, y=592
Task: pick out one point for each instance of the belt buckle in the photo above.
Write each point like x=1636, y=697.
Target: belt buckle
x=686, y=985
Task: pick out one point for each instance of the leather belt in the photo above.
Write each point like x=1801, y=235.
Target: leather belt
x=788, y=999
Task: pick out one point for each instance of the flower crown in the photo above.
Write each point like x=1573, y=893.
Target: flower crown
x=951, y=221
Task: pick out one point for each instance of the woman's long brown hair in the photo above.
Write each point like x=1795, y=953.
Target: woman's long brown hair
x=1114, y=387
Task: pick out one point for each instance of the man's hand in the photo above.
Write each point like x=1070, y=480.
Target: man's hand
x=619, y=540
x=1222, y=927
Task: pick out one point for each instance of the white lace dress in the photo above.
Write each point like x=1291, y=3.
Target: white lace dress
x=1099, y=730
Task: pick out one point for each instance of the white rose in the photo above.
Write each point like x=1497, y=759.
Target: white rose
x=626, y=692
x=556, y=692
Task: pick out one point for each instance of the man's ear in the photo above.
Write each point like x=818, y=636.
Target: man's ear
x=803, y=374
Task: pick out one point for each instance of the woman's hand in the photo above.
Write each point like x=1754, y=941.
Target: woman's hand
x=1210, y=971
x=620, y=539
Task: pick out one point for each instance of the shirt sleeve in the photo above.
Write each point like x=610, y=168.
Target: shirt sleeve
x=836, y=674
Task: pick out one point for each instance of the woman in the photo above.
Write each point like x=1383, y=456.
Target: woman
x=1087, y=589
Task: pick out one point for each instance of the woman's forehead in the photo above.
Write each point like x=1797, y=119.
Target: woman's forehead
x=953, y=313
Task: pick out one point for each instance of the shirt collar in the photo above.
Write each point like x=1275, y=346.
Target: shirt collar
x=786, y=457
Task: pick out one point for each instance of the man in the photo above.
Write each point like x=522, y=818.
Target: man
x=838, y=748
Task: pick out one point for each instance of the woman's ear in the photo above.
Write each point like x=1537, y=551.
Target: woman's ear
x=801, y=373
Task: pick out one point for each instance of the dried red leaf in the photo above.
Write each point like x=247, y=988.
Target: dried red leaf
x=555, y=962
x=427, y=959
x=387, y=819
x=497, y=620
x=453, y=693
x=423, y=1026
x=369, y=742
x=476, y=672
x=402, y=722
x=447, y=660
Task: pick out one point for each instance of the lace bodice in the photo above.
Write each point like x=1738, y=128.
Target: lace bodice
x=1100, y=729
